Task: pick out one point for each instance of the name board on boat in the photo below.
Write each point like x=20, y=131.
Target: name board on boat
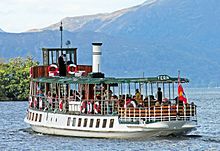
x=163, y=77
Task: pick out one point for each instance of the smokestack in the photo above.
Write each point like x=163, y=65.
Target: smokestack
x=96, y=61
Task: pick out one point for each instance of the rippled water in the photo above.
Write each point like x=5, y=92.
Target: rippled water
x=17, y=135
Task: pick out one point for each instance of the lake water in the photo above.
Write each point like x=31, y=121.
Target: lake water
x=17, y=135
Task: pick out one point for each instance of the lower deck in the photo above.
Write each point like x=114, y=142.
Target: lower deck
x=104, y=126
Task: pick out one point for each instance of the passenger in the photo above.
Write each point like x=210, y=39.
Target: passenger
x=137, y=95
x=159, y=95
x=62, y=65
x=157, y=103
x=108, y=94
x=39, y=100
x=49, y=100
x=166, y=101
x=72, y=95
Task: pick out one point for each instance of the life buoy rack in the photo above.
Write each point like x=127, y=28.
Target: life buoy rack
x=89, y=107
x=53, y=70
x=72, y=69
x=83, y=107
x=128, y=102
x=97, y=108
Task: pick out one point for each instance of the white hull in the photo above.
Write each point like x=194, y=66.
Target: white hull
x=57, y=124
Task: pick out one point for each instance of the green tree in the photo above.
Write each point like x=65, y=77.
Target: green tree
x=15, y=78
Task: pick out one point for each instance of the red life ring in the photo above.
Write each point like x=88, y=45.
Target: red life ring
x=97, y=108
x=72, y=69
x=83, y=106
x=53, y=70
x=89, y=107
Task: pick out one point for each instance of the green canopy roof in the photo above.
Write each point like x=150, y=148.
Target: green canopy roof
x=109, y=80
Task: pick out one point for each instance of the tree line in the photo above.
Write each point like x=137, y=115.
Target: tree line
x=15, y=78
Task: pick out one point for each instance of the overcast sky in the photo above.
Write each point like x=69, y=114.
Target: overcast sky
x=22, y=15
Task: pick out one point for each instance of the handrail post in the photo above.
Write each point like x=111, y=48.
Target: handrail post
x=184, y=112
x=177, y=111
x=161, y=113
x=154, y=114
x=190, y=110
x=169, y=111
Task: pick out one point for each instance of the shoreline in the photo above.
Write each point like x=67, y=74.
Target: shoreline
x=13, y=100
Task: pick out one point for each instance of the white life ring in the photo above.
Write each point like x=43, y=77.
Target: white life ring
x=89, y=107
x=53, y=70
x=83, y=106
x=97, y=107
x=72, y=69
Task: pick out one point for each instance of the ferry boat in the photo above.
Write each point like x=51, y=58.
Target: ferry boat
x=82, y=102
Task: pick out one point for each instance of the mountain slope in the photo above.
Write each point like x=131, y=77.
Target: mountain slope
x=159, y=36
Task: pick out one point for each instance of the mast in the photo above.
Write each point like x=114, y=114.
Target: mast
x=61, y=35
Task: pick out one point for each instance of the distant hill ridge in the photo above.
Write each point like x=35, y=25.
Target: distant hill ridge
x=159, y=36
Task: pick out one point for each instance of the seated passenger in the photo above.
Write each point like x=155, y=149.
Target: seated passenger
x=157, y=103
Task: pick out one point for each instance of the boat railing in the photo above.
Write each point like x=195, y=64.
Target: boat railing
x=186, y=112
x=73, y=105
x=158, y=113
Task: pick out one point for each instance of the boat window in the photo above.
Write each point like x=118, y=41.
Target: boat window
x=85, y=122
x=40, y=117
x=111, y=123
x=68, y=121
x=97, y=123
x=79, y=122
x=56, y=119
x=74, y=122
x=29, y=115
x=36, y=117
x=91, y=123
x=104, y=123
x=32, y=117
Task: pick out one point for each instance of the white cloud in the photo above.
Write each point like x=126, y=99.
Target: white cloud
x=21, y=15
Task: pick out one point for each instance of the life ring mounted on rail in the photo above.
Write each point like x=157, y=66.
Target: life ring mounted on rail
x=83, y=107
x=53, y=70
x=97, y=108
x=89, y=107
x=72, y=69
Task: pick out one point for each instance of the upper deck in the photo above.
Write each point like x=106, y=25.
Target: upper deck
x=51, y=58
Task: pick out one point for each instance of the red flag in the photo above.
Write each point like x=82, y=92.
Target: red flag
x=181, y=94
